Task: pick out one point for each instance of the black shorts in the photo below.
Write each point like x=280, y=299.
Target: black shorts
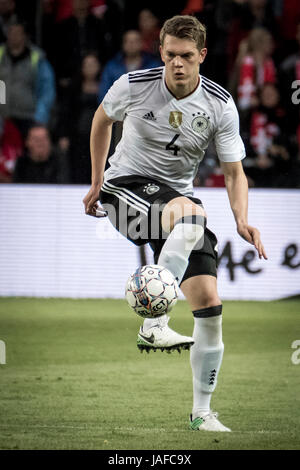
x=134, y=205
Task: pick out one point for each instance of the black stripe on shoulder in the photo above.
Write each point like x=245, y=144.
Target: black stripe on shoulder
x=157, y=75
x=146, y=72
x=216, y=87
x=215, y=93
x=144, y=79
x=154, y=74
x=141, y=77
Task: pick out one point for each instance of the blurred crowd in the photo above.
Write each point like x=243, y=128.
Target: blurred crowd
x=58, y=58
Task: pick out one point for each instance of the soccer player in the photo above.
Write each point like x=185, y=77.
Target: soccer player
x=170, y=115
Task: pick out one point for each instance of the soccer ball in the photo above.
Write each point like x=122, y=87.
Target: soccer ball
x=151, y=291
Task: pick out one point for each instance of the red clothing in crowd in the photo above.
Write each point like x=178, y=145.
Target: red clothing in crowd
x=262, y=132
x=215, y=180
x=11, y=148
x=251, y=77
x=63, y=8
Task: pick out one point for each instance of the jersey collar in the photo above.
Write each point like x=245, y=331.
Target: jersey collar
x=193, y=93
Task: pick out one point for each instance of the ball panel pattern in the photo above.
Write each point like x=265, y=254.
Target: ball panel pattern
x=151, y=291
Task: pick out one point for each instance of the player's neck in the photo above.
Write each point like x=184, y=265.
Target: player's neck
x=182, y=91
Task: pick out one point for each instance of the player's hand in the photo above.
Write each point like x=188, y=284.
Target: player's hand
x=252, y=235
x=91, y=204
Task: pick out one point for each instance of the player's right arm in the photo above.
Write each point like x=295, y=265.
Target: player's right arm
x=99, y=144
x=113, y=108
x=231, y=151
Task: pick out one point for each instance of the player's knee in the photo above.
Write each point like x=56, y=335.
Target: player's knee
x=188, y=210
x=178, y=209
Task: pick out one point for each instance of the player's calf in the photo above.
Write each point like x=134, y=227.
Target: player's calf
x=206, y=360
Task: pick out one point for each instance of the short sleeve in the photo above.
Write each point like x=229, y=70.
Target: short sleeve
x=117, y=99
x=228, y=142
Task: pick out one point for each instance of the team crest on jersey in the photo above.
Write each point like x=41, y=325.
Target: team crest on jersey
x=200, y=122
x=175, y=118
x=151, y=188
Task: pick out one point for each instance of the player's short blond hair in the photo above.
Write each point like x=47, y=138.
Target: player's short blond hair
x=184, y=27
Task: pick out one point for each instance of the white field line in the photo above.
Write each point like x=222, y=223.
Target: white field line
x=125, y=429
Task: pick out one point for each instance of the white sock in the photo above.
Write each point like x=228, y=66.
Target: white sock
x=179, y=244
x=206, y=358
x=150, y=322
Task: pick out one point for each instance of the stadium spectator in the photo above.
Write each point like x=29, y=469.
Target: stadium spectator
x=272, y=162
x=256, y=68
x=11, y=147
x=149, y=28
x=41, y=163
x=76, y=113
x=77, y=35
x=253, y=68
x=131, y=57
x=29, y=80
x=247, y=15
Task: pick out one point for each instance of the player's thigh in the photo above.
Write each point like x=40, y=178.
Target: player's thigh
x=176, y=209
x=201, y=291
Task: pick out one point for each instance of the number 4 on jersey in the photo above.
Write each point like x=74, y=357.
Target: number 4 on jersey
x=171, y=145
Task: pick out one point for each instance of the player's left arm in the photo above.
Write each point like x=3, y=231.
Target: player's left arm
x=237, y=189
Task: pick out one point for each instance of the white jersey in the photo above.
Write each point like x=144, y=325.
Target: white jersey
x=165, y=138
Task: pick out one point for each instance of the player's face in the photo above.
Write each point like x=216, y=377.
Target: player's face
x=182, y=60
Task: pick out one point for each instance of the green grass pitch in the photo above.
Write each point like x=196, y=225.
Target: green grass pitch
x=74, y=378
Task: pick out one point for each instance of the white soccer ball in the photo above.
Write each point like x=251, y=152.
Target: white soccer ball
x=151, y=291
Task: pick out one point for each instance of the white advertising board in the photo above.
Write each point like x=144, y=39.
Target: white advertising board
x=49, y=247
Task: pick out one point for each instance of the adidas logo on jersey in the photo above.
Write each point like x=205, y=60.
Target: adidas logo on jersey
x=150, y=116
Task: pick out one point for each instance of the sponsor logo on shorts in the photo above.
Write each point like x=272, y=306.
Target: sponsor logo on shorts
x=151, y=188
